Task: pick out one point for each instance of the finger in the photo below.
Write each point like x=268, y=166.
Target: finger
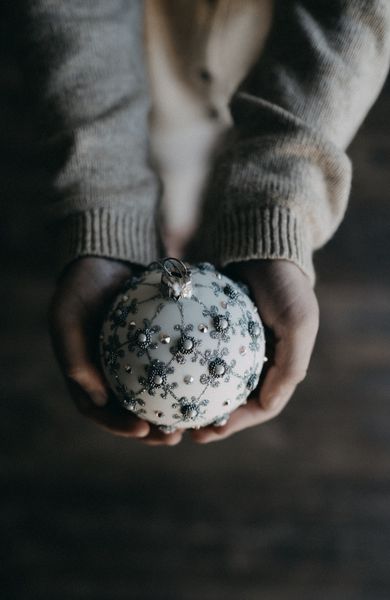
x=246, y=416
x=292, y=353
x=75, y=348
x=111, y=418
x=75, y=355
x=158, y=438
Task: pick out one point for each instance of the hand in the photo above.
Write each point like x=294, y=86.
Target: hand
x=288, y=307
x=80, y=301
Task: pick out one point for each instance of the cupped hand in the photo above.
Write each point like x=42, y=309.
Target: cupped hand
x=288, y=308
x=76, y=312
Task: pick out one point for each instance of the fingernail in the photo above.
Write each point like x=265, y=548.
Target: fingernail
x=99, y=398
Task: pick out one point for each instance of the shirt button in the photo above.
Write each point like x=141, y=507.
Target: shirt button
x=213, y=112
x=205, y=75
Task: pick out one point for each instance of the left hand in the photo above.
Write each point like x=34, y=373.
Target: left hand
x=288, y=308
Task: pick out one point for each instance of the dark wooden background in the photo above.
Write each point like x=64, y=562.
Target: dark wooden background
x=296, y=509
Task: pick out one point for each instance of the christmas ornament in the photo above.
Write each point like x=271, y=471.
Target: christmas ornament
x=181, y=346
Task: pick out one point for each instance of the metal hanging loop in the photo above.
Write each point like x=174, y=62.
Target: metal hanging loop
x=175, y=279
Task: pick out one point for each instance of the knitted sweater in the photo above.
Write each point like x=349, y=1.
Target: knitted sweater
x=280, y=181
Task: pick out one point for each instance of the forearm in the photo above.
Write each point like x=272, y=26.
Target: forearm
x=85, y=68
x=281, y=185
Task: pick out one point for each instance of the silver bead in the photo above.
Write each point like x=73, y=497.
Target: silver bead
x=158, y=379
x=128, y=369
x=265, y=359
x=226, y=403
x=218, y=275
x=132, y=324
x=159, y=413
x=125, y=298
x=165, y=338
x=242, y=350
x=203, y=328
x=141, y=338
x=188, y=379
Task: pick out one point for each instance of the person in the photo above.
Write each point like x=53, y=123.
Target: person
x=248, y=107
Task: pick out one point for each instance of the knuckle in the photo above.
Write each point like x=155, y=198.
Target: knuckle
x=296, y=374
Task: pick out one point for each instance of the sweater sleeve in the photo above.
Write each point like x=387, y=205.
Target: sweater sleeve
x=84, y=65
x=280, y=185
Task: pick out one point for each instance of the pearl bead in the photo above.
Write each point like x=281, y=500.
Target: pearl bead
x=219, y=369
x=142, y=338
x=221, y=421
x=224, y=304
x=167, y=429
x=265, y=359
x=132, y=324
x=158, y=379
x=188, y=344
x=223, y=324
x=125, y=298
x=188, y=379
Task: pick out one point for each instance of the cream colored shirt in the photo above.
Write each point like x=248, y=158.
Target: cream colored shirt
x=196, y=59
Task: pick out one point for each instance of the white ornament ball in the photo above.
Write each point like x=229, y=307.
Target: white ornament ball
x=182, y=347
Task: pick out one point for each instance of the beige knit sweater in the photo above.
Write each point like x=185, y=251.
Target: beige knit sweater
x=276, y=121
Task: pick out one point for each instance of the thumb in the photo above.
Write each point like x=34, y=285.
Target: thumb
x=75, y=352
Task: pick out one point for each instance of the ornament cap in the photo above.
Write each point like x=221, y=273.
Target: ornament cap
x=176, y=279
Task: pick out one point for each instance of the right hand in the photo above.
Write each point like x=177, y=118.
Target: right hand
x=76, y=312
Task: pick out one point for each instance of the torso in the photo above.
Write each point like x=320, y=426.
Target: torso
x=198, y=51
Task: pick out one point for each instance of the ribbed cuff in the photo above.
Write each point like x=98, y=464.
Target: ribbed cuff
x=110, y=233
x=258, y=233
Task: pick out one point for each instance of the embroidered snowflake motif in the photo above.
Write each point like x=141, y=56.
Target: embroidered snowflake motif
x=189, y=410
x=205, y=267
x=186, y=345
x=156, y=378
x=141, y=340
x=255, y=332
x=218, y=369
x=251, y=381
x=244, y=321
x=119, y=315
x=111, y=352
x=129, y=399
x=222, y=327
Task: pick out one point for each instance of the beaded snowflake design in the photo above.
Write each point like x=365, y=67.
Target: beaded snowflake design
x=183, y=363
